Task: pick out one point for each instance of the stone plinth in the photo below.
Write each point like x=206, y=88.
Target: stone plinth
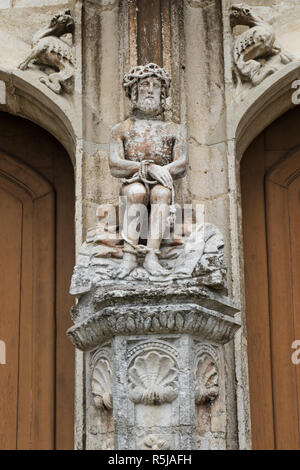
x=154, y=365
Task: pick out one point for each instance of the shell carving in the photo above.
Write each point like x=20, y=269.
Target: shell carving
x=153, y=379
x=101, y=384
x=207, y=380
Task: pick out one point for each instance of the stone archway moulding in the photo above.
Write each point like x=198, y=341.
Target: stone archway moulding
x=28, y=99
x=262, y=106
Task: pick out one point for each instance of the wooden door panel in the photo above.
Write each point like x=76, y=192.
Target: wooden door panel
x=43, y=390
x=27, y=266
x=271, y=230
x=282, y=316
x=257, y=299
x=10, y=255
x=294, y=211
x=26, y=333
x=35, y=168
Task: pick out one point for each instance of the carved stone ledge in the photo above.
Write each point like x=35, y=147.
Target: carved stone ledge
x=106, y=312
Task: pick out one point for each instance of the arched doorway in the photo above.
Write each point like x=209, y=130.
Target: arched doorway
x=270, y=185
x=36, y=260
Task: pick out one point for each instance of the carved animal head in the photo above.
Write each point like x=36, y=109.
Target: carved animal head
x=241, y=14
x=62, y=23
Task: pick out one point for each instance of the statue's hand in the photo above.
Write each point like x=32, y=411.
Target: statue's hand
x=161, y=174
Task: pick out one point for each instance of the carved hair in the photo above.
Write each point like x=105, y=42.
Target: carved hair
x=135, y=74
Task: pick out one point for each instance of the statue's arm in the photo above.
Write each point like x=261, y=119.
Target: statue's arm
x=178, y=167
x=119, y=167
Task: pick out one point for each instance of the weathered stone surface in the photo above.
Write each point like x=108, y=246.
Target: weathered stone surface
x=156, y=395
x=191, y=251
x=180, y=308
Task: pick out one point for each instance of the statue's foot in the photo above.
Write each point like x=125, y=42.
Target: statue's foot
x=23, y=66
x=182, y=270
x=285, y=58
x=128, y=264
x=151, y=264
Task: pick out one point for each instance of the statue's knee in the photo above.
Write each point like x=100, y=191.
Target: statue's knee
x=135, y=193
x=160, y=194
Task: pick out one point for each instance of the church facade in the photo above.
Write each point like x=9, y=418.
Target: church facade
x=186, y=341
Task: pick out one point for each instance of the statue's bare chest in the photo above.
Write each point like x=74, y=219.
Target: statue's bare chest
x=149, y=141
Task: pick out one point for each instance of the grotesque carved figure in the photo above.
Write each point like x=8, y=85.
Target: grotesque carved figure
x=148, y=154
x=49, y=50
x=255, y=46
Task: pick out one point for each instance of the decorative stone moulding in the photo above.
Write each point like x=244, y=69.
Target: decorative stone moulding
x=183, y=307
x=256, y=51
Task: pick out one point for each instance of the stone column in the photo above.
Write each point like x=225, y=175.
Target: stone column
x=155, y=375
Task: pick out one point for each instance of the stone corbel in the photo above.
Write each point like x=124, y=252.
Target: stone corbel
x=53, y=54
x=256, y=51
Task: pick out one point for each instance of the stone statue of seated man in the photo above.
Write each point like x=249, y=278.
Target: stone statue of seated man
x=177, y=246
x=148, y=154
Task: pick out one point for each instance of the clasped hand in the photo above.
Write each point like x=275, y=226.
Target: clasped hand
x=161, y=174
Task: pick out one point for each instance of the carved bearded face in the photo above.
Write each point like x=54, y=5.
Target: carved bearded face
x=149, y=96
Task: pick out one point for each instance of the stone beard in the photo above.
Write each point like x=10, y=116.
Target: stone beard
x=148, y=154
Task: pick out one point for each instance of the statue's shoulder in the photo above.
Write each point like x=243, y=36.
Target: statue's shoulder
x=122, y=127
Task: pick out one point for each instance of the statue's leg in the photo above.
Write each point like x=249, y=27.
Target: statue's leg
x=136, y=198
x=52, y=82
x=254, y=71
x=24, y=65
x=160, y=198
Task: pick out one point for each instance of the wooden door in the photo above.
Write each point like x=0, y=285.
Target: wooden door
x=270, y=180
x=27, y=294
x=283, y=241
x=36, y=261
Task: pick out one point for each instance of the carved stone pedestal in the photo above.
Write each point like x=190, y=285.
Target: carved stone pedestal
x=154, y=365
